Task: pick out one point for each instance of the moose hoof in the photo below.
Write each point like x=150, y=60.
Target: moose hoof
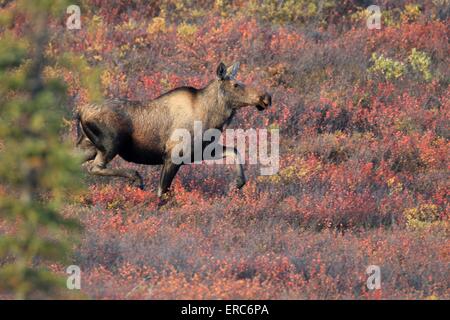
x=161, y=202
x=138, y=181
x=164, y=198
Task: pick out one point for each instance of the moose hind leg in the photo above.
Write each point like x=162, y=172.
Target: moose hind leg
x=99, y=168
x=88, y=149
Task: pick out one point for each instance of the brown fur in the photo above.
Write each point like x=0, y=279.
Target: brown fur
x=140, y=132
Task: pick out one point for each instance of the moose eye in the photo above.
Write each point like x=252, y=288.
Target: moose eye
x=236, y=85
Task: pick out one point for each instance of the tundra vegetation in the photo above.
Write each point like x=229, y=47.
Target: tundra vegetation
x=364, y=146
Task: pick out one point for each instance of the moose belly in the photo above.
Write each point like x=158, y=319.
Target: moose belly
x=142, y=155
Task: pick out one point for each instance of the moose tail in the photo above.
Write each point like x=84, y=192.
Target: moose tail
x=79, y=130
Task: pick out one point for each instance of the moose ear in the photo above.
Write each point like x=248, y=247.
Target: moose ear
x=233, y=70
x=221, y=71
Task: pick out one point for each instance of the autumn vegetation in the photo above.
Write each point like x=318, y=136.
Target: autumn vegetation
x=364, y=146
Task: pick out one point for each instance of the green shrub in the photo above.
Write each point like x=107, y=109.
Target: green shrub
x=292, y=11
x=424, y=217
x=420, y=63
x=417, y=64
x=389, y=68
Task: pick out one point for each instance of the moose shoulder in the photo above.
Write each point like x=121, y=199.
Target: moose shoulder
x=140, y=132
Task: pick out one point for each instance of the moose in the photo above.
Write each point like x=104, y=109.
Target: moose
x=140, y=132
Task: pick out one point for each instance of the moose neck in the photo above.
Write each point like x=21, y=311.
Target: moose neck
x=215, y=110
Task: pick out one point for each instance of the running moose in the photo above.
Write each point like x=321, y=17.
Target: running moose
x=140, y=132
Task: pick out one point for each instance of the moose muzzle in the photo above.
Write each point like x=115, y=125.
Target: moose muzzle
x=265, y=101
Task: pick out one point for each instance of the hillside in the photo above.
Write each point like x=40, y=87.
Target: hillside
x=363, y=117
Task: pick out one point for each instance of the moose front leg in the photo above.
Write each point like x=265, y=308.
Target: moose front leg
x=168, y=172
x=232, y=152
